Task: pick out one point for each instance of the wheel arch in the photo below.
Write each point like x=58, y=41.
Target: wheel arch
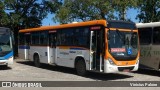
x=79, y=58
x=36, y=53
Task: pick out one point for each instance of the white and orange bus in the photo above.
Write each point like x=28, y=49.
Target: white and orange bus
x=149, y=34
x=99, y=45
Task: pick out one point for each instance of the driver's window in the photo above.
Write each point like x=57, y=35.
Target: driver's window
x=134, y=40
x=93, y=41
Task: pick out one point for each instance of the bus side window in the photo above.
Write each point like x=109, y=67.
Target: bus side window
x=27, y=39
x=156, y=35
x=43, y=38
x=145, y=35
x=21, y=39
x=35, y=38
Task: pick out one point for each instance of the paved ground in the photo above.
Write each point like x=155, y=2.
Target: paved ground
x=25, y=71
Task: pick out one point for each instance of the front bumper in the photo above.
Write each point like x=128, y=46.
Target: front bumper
x=6, y=62
x=108, y=68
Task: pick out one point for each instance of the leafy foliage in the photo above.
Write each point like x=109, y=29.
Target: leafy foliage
x=20, y=14
x=26, y=13
x=149, y=11
x=83, y=10
x=3, y=16
x=121, y=6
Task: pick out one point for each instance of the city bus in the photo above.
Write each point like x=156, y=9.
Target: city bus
x=149, y=34
x=6, y=47
x=98, y=45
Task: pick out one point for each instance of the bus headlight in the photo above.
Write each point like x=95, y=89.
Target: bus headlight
x=111, y=61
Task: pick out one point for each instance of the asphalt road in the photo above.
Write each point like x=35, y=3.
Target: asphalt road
x=26, y=71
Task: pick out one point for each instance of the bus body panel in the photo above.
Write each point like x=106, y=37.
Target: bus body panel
x=7, y=59
x=66, y=56
x=23, y=52
x=150, y=56
x=87, y=40
x=149, y=43
x=42, y=51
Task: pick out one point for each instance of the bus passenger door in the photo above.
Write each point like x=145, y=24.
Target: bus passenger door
x=95, y=58
x=52, y=47
x=27, y=45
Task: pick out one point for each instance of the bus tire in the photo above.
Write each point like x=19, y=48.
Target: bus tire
x=5, y=66
x=81, y=67
x=36, y=60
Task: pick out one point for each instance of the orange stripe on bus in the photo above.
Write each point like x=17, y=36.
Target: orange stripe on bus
x=88, y=23
x=69, y=47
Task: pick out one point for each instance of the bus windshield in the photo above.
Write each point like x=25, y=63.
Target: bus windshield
x=123, y=45
x=5, y=43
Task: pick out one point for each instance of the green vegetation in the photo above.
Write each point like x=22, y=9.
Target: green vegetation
x=149, y=10
x=19, y=14
x=29, y=13
x=83, y=10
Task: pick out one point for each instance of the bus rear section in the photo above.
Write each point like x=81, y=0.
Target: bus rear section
x=98, y=46
x=6, y=47
x=149, y=34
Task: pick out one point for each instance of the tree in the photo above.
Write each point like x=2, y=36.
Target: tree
x=3, y=16
x=27, y=13
x=121, y=7
x=84, y=10
x=149, y=11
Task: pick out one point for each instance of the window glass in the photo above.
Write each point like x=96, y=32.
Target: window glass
x=145, y=35
x=35, y=38
x=52, y=39
x=27, y=39
x=21, y=38
x=43, y=38
x=73, y=37
x=156, y=35
x=121, y=24
x=81, y=37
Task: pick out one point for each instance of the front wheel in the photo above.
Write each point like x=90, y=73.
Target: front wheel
x=81, y=68
x=5, y=66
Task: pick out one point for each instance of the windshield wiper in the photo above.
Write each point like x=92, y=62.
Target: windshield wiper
x=120, y=35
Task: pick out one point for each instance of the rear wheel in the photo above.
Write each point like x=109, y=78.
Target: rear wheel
x=81, y=68
x=36, y=61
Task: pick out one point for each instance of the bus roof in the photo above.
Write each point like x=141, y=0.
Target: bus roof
x=88, y=23
x=145, y=25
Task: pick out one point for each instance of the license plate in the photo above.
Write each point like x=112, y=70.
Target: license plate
x=126, y=70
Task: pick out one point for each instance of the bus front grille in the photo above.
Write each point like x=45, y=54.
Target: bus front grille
x=125, y=68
